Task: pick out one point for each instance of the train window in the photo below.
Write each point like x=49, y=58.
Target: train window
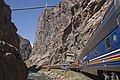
x=87, y=62
x=115, y=38
x=95, y=52
x=108, y=45
x=118, y=19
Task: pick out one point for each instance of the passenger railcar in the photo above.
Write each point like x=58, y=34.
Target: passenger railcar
x=101, y=56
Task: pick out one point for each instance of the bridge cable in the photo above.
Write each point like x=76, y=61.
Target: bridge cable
x=31, y=8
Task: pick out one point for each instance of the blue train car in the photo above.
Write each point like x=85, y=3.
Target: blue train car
x=64, y=66
x=101, y=56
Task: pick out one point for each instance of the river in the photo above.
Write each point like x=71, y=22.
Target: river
x=36, y=76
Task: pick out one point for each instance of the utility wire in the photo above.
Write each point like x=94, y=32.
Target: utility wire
x=30, y=8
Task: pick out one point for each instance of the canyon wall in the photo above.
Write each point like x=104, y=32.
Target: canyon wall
x=25, y=48
x=63, y=31
x=12, y=66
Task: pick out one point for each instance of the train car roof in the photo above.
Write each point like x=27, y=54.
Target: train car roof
x=108, y=24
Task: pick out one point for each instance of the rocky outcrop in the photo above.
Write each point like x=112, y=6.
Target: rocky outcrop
x=64, y=31
x=11, y=65
x=25, y=48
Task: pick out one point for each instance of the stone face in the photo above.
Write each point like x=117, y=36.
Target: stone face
x=63, y=31
x=7, y=28
x=11, y=65
x=25, y=48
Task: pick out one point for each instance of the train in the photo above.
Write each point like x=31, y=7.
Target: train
x=101, y=55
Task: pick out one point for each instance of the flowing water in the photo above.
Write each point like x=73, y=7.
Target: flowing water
x=36, y=76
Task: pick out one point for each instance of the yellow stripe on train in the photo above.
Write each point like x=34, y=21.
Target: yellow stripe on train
x=108, y=60
x=114, y=59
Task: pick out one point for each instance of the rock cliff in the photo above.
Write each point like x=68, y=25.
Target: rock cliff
x=25, y=48
x=64, y=30
x=11, y=65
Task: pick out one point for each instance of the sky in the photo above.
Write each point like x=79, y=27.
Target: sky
x=26, y=21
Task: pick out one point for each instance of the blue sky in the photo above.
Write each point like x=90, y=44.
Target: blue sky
x=26, y=21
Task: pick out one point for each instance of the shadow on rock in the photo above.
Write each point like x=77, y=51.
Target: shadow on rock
x=33, y=69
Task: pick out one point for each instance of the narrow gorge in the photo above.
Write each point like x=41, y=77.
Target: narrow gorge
x=63, y=31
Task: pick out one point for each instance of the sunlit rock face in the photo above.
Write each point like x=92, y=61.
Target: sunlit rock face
x=63, y=31
x=25, y=48
x=12, y=66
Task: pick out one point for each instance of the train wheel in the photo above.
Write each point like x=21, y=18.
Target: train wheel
x=106, y=76
x=114, y=76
